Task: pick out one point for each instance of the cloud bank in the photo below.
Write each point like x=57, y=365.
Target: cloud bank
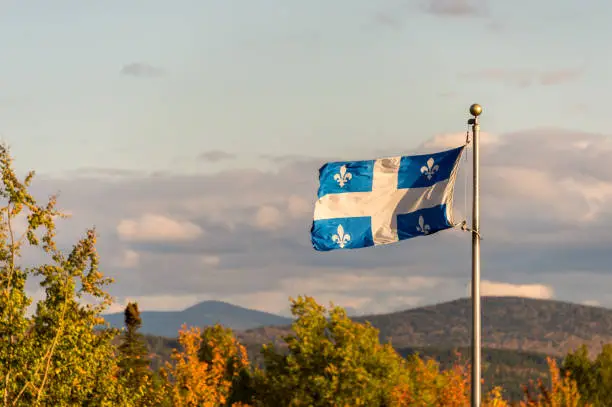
x=242, y=236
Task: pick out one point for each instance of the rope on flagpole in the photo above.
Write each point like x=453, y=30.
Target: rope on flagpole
x=463, y=225
x=465, y=178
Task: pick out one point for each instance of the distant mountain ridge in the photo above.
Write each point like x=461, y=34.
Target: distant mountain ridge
x=168, y=323
x=524, y=324
x=518, y=335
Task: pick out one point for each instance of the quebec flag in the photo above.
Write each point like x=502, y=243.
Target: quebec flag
x=376, y=202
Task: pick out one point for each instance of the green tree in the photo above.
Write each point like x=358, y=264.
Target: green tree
x=593, y=377
x=134, y=362
x=135, y=359
x=55, y=356
x=329, y=361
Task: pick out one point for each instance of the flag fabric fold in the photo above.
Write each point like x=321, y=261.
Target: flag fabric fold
x=382, y=201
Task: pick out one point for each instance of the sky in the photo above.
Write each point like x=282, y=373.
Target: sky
x=190, y=133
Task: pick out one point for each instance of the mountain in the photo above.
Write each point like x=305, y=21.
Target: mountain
x=524, y=324
x=518, y=334
x=168, y=323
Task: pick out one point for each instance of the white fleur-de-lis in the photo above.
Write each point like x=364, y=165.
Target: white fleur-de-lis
x=422, y=227
x=430, y=169
x=341, y=238
x=343, y=177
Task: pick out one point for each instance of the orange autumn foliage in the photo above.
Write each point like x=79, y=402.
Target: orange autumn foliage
x=200, y=383
x=430, y=386
x=327, y=362
x=563, y=391
x=209, y=383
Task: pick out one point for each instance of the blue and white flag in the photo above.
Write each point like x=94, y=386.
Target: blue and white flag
x=376, y=202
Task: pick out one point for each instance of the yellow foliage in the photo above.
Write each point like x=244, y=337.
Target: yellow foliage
x=563, y=391
x=199, y=383
x=432, y=387
x=207, y=381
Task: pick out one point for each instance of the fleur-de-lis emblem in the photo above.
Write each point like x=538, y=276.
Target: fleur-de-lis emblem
x=343, y=177
x=422, y=227
x=430, y=169
x=341, y=238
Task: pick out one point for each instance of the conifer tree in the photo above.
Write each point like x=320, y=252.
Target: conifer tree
x=135, y=359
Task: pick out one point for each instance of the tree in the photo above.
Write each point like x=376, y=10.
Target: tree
x=430, y=386
x=563, y=391
x=203, y=373
x=219, y=341
x=593, y=377
x=330, y=361
x=134, y=360
x=55, y=356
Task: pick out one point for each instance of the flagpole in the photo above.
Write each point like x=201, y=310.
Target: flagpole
x=475, y=111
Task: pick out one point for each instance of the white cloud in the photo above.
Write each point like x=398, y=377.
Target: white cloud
x=128, y=259
x=298, y=206
x=391, y=303
x=209, y=260
x=569, y=199
x=533, y=191
x=268, y=218
x=596, y=194
x=150, y=227
x=593, y=303
x=277, y=302
x=497, y=289
x=362, y=294
x=452, y=140
x=355, y=283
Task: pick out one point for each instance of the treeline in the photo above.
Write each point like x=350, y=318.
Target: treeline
x=53, y=354
x=500, y=367
x=330, y=360
x=507, y=367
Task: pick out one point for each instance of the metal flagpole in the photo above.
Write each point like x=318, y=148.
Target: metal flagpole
x=475, y=111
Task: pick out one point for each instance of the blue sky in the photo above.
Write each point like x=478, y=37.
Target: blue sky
x=341, y=78
x=214, y=116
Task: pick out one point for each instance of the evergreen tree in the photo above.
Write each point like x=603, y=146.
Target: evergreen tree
x=135, y=360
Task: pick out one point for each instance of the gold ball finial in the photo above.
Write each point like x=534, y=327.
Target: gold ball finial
x=475, y=110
